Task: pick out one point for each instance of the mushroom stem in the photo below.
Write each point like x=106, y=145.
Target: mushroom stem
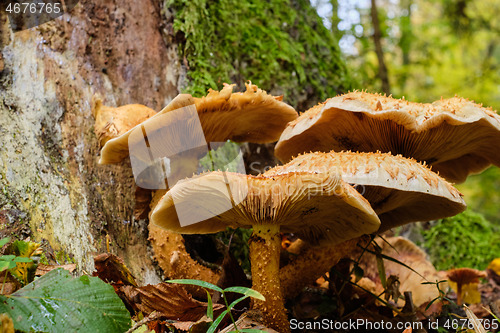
x=314, y=262
x=459, y=294
x=265, y=245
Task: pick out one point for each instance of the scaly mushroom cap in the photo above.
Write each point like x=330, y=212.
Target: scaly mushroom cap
x=455, y=135
x=316, y=206
x=111, y=122
x=399, y=189
x=250, y=116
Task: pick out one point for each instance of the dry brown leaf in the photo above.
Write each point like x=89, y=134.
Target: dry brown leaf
x=44, y=269
x=169, y=300
x=112, y=269
x=408, y=253
x=249, y=320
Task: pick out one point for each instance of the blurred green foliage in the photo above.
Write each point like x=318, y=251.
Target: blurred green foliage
x=465, y=240
x=432, y=49
x=223, y=158
x=482, y=193
x=282, y=46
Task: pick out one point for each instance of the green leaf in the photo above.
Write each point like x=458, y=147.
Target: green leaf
x=210, y=306
x=56, y=302
x=6, y=265
x=246, y=291
x=217, y=321
x=197, y=283
x=24, y=248
x=22, y=259
x=430, y=303
x=232, y=305
x=7, y=257
x=4, y=241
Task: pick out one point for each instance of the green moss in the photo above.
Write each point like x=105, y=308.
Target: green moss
x=43, y=259
x=282, y=46
x=465, y=240
x=63, y=258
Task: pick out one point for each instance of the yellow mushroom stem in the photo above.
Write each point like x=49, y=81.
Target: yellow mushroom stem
x=313, y=263
x=265, y=245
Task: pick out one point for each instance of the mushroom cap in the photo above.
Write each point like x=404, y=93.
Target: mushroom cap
x=318, y=207
x=111, y=122
x=455, y=135
x=117, y=149
x=252, y=116
x=399, y=189
x=465, y=275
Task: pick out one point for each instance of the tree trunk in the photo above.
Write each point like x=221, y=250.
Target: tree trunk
x=377, y=37
x=51, y=186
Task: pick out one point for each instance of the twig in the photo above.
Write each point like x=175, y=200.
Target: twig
x=152, y=316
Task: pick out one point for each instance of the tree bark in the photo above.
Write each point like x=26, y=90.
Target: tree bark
x=51, y=186
x=377, y=39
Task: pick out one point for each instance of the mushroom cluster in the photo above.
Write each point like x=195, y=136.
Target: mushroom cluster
x=184, y=131
x=330, y=197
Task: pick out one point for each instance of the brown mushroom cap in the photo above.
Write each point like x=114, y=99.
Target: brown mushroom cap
x=252, y=116
x=465, y=275
x=316, y=206
x=455, y=135
x=465, y=282
x=111, y=122
x=399, y=189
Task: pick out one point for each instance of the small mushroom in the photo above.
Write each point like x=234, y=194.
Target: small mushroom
x=400, y=190
x=454, y=135
x=315, y=206
x=466, y=280
x=111, y=122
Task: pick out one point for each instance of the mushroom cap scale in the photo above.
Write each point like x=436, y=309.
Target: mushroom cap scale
x=252, y=116
x=454, y=135
x=399, y=189
x=318, y=207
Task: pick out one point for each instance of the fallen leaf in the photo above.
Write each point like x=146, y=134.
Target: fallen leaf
x=112, y=269
x=412, y=256
x=44, y=269
x=251, y=320
x=169, y=300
